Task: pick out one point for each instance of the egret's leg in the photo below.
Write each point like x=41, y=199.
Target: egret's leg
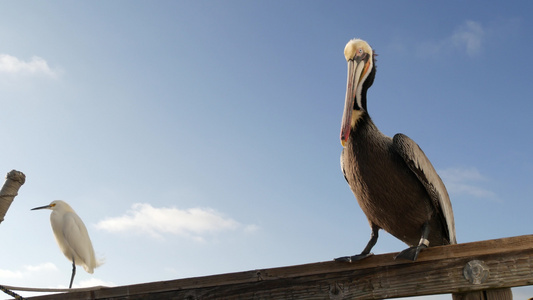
x=366, y=251
x=73, y=273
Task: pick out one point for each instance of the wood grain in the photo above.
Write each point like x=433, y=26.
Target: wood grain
x=438, y=270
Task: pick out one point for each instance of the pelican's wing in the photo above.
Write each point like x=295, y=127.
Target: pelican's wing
x=422, y=167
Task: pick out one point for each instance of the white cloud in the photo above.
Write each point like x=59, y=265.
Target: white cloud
x=251, y=228
x=8, y=274
x=466, y=181
x=27, y=271
x=192, y=223
x=468, y=38
x=462, y=174
x=91, y=282
x=37, y=65
x=41, y=267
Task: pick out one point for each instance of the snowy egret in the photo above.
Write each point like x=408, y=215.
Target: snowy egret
x=71, y=236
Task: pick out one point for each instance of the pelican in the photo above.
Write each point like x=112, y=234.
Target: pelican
x=394, y=182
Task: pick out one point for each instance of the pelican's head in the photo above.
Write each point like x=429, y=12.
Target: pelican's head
x=361, y=72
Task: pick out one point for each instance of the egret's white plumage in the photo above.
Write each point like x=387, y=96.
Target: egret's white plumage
x=71, y=236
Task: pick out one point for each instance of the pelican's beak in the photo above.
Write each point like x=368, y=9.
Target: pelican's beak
x=42, y=207
x=357, y=71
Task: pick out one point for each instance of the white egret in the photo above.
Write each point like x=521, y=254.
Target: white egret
x=71, y=236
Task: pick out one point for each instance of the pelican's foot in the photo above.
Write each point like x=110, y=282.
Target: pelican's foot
x=411, y=253
x=353, y=258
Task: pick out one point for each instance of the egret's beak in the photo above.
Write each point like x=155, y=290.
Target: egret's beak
x=42, y=207
x=357, y=69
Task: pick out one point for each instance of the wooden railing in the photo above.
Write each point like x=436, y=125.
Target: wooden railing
x=477, y=266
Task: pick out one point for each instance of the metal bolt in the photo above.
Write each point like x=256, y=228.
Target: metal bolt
x=476, y=272
x=336, y=291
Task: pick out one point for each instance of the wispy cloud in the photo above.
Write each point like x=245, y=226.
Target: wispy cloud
x=193, y=223
x=467, y=38
x=41, y=267
x=470, y=38
x=35, y=66
x=466, y=181
x=10, y=274
x=27, y=270
x=93, y=282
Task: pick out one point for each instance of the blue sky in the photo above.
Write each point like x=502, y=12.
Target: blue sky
x=202, y=137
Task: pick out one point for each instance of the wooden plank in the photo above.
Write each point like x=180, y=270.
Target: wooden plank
x=438, y=270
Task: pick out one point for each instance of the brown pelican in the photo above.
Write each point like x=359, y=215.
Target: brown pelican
x=394, y=182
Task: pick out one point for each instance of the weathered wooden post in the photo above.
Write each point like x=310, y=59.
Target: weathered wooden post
x=498, y=294
x=14, y=180
x=477, y=272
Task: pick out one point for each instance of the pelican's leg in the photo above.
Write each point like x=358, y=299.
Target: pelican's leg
x=73, y=273
x=412, y=252
x=366, y=252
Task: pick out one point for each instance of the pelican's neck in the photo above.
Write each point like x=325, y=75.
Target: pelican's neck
x=365, y=134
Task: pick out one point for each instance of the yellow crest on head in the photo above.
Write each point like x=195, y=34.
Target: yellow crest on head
x=356, y=47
